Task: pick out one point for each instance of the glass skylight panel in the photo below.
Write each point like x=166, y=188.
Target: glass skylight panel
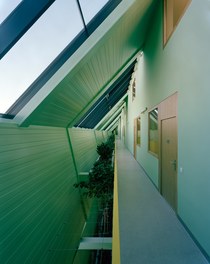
x=41, y=44
x=6, y=7
x=91, y=8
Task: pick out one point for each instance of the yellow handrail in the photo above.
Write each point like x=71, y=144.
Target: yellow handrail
x=115, y=233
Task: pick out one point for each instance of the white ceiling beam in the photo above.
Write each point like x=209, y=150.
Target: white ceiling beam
x=114, y=115
x=111, y=112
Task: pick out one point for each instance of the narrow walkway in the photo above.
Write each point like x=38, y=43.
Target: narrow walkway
x=149, y=230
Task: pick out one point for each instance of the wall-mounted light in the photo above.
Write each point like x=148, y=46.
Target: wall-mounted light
x=144, y=110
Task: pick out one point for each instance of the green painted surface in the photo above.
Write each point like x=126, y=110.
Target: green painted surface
x=84, y=148
x=41, y=216
x=99, y=136
x=41, y=213
x=183, y=66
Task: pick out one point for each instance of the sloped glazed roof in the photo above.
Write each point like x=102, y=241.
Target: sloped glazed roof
x=108, y=100
x=71, y=86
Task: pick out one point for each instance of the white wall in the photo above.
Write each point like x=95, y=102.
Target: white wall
x=183, y=66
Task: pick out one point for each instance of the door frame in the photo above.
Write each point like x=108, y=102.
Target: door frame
x=135, y=135
x=167, y=109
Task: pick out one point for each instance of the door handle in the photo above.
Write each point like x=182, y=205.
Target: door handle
x=173, y=163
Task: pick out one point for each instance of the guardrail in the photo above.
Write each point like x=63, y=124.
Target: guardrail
x=115, y=232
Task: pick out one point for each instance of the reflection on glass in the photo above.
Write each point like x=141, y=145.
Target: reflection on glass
x=153, y=131
x=91, y=8
x=51, y=33
x=6, y=7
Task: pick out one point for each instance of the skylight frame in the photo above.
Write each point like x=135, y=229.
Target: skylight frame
x=9, y=10
x=60, y=60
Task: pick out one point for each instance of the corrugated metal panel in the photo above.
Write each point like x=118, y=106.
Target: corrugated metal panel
x=84, y=148
x=41, y=216
x=105, y=134
x=99, y=136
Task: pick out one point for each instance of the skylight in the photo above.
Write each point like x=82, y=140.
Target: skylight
x=6, y=7
x=40, y=45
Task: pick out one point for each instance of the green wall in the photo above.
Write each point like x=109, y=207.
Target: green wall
x=41, y=214
x=183, y=66
x=84, y=148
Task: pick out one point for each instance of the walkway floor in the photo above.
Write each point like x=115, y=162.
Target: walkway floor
x=150, y=232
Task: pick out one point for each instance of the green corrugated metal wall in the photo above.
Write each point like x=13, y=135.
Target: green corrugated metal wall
x=41, y=215
x=99, y=136
x=84, y=148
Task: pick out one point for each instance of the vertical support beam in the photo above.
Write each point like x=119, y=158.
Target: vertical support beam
x=83, y=19
x=95, y=137
x=76, y=170
x=72, y=152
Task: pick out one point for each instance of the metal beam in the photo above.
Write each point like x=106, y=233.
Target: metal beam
x=110, y=113
x=19, y=21
x=114, y=126
x=114, y=122
x=112, y=117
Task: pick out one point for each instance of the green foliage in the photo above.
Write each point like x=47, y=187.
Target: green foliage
x=111, y=141
x=100, y=182
x=105, y=150
x=101, y=178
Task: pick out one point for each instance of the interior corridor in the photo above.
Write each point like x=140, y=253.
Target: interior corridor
x=150, y=231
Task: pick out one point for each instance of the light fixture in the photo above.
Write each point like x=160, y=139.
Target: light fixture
x=144, y=110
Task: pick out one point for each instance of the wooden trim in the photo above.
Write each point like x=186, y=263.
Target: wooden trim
x=135, y=134
x=167, y=109
x=138, y=117
x=134, y=140
x=167, y=36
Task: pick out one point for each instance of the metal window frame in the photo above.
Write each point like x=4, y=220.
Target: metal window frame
x=62, y=57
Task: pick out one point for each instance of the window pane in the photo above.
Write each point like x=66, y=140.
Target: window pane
x=138, y=134
x=91, y=8
x=133, y=89
x=6, y=7
x=37, y=49
x=153, y=131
